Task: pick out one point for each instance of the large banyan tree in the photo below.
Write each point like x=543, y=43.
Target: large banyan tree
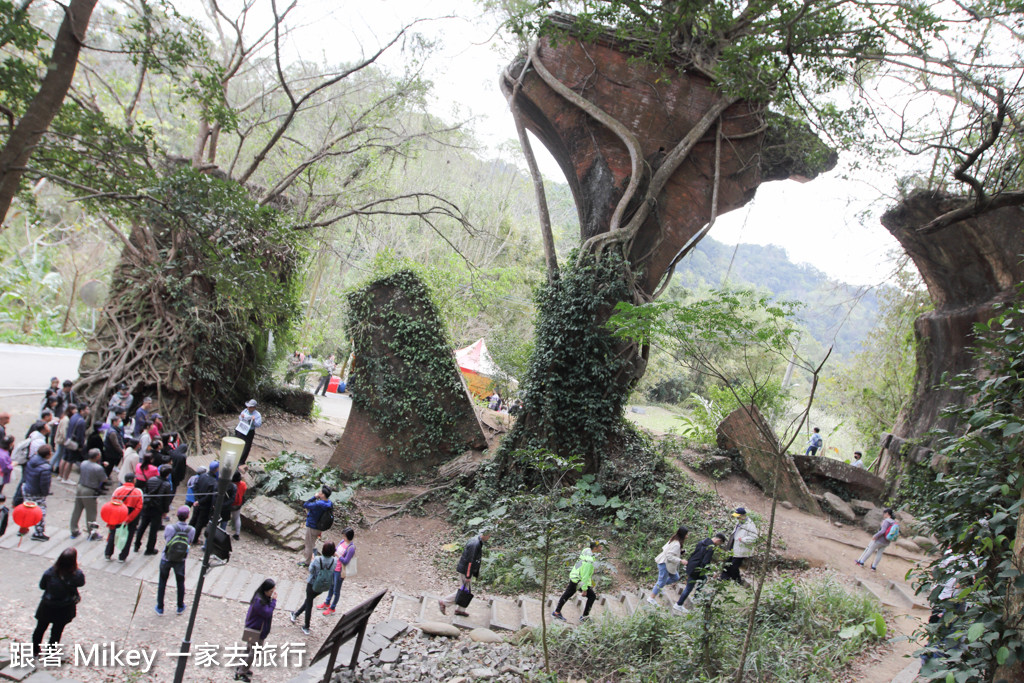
x=663, y=115
x=213, y=163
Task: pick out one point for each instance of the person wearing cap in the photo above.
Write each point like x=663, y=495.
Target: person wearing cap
x=121, y=400
x=316, y=506
x=741, y=543
x=142, y=416
x=697, y=565
x=858, y=460
x=158, y=495
x=177, y=539
x=248, y=420
x=205, y=491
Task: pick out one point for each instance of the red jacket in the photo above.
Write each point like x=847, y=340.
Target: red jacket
x=239, y=494
x=131, y=497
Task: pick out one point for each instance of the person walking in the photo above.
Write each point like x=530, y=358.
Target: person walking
x=581, y=578
x=248, y=420
x=741, y=543
x=258, y=619
x=178, y=537
x=128, y=494
x=346, y=551
x=467, y=569
x=236, y=504
x=668, y=563
x=697, y=566
x=91, y=480
x=814, y=443
x=880, y=541
x=35, y=486
x=316, y=507
x=157, y=497
x=60, y=584
x=325, y=379
x=321, y=575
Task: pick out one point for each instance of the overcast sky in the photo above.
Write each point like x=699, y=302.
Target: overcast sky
x=821, y=222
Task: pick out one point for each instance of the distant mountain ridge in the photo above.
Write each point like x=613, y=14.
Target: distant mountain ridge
x=835, y=312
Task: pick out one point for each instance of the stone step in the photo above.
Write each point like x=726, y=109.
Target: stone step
x=632, y=601
x=884, y=596
x=505, y=615
x=405, y=607
x=615, y=605
x=429, y=610
x=293, y=594
x=220, y=580
x=530, y=611
x=59, y=538
x=244, y=590
x=909, y=674
x=912, y=600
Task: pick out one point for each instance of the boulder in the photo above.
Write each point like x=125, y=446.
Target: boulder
x=438, y=628
x=840, y=507
x=291, y=400
x=482, y=673
x=485, y=635
x=817, y=469
x=274, y=520
x=872, y=520
x=926, y=543
x=749, y=433
x=908, y=545
x=908, y=523
x=786, y=504
x=862, y=507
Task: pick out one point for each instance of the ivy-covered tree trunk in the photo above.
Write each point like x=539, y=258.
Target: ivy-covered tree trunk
x=653, y=155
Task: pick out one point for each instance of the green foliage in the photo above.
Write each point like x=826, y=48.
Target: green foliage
x=976, y=510
x=30, y=300
x=795, y=638
x=407, y=372
x=572, y=388
x=294, y=478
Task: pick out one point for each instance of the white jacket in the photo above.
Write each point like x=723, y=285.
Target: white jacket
x=744, y=536
x=670, y=557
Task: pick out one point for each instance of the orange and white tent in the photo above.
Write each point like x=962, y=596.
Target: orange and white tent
x=479, y=369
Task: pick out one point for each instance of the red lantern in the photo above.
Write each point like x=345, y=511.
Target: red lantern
x=26, y=515
x=114, y=513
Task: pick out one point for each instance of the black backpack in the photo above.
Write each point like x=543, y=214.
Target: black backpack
x=176, y=549
x=326, y=519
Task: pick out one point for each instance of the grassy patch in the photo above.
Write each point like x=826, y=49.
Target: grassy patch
x=655, y=418
x=796, y=637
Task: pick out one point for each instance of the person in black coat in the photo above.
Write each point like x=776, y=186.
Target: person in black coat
x=697, y=566
x=60, y=584
x=467, y=568
x=158, y=494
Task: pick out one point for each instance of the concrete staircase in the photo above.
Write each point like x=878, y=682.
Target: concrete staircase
x=224, y=581
x=512, y=614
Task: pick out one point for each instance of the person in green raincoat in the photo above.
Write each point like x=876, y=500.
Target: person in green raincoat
x=581, y=578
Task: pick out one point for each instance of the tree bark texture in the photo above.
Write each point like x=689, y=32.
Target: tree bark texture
x=968, y=268
x=47, y=102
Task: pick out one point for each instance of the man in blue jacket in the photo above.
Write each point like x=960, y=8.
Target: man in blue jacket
x=36, y=486
x=315, y=509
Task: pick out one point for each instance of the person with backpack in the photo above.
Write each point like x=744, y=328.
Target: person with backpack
x=132, y=499
x=888, y=531
x=467, y=568
x=157, y=497
x=236, y=504
x=668, y=563
x=581, y=578
x=741, y=543
x=205, y=491
x=257, y=625
x=320, y=579
x=346, y=551
x=814, y=443
x=190, y=487
x=20, y=457
x=60, y=584
x=319, y=518
x=697, y=566
x=178, y=538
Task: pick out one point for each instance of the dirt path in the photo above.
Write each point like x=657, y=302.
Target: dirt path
x=810, y=538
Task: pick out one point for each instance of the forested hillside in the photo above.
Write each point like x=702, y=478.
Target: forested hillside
x=834, y=312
